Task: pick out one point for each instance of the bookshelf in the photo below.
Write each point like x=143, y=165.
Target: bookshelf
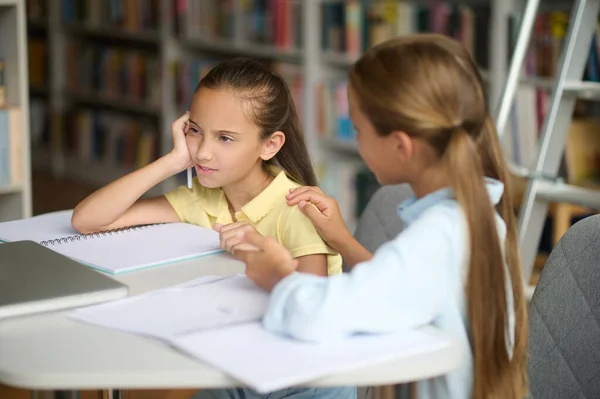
x=15, y=179
x=303, y=39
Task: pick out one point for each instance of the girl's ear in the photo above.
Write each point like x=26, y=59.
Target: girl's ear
x=403, y=144
x=272, y=145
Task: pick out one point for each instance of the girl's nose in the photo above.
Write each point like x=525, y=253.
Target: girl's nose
x=203, y=152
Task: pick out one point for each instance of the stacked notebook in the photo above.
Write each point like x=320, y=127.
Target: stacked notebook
x=115, y=251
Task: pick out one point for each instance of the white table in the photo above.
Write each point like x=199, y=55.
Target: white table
x=51, y=352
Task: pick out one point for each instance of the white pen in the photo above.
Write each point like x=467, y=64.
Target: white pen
x=189, y=170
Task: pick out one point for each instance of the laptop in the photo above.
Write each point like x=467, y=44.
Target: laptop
x=36, y=279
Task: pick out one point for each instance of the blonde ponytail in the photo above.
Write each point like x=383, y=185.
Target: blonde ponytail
x=486, y=280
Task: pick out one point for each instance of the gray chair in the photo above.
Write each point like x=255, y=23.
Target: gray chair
x=378, y=224
x=564, y=325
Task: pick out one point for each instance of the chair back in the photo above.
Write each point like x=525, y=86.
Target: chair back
x=564, y=318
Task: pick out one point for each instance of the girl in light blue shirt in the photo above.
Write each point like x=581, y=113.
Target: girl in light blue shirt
x=421, y=117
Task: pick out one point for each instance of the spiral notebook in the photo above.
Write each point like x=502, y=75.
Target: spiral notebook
x=115, y=251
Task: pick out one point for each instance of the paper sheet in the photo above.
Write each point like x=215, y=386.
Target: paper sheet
x=206, y=303
x=39, y=228
x=268, y=362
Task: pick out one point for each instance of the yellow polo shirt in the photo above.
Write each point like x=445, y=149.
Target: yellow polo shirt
x=268, y=213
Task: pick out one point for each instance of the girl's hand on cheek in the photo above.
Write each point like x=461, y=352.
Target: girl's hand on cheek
x=180, y=154
x=269, y=262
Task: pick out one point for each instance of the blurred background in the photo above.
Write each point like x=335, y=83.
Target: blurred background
x=106, y=78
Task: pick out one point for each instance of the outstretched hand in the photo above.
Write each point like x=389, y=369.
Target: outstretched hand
x=268, y=262
x=230, y=236
x=323, y=211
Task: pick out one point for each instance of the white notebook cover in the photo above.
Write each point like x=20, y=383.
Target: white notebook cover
x=117, y=251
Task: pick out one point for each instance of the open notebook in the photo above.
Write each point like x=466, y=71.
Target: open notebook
x=115, y=251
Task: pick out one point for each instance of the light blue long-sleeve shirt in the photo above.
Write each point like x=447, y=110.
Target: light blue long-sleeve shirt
x=418, y=278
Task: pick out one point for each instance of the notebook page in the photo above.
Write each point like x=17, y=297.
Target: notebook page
x=143, y=247
x=39, y=228
x=167, y=313
x=285, y=362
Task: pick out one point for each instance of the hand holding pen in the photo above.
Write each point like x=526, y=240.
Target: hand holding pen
x=180, y=154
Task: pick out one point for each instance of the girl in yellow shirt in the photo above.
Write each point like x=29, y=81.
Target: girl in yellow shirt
x=242, y=137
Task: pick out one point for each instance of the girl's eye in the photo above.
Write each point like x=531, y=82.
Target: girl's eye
x=225, y=139
x=194, y=130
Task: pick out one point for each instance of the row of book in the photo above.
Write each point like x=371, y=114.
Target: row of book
x=352, y=26
x=546, y=45
x=114, y=73
x=109, y=138
x=274, y=22
x=333, y=117
x=348, y=27
x=270, y=22
x=533, y=95
x=205, y=18
x=10, y=145
x=350, y=182
x=38, y=62
x=129, y=15
x=191, y=71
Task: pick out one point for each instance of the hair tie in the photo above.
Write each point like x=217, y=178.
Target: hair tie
x=456, y=127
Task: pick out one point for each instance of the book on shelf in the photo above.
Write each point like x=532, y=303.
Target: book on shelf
x=10, y=146
x=582, y=152
x=293, y=75
x=353, y=26
x=532, y=98
x=205, y=19
x=38, y=62
x=190, y=71
x=276, y=23
x=350, y=183
x=127, y=15
x=125, y=76
x=333, y=118
x=110, y=138
x=36, y=10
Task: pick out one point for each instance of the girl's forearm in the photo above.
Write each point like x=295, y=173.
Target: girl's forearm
x=107, y=204
x=351, y=250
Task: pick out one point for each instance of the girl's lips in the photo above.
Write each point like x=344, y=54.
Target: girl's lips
x=204, y=169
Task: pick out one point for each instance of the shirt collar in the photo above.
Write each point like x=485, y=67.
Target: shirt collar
x=258, y=207
x=412, y=208
x=264, y=202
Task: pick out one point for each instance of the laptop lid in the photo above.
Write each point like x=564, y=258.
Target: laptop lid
x=34, y=279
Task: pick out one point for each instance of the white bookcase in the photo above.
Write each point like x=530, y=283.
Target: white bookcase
x=314, y=63
x=15, y=191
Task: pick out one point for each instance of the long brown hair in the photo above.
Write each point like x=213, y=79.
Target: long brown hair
x=271, y=107
x=428, y=86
